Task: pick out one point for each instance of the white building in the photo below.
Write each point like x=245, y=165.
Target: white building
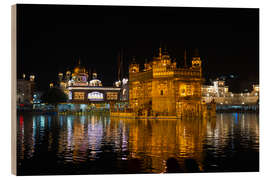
x=219, y=93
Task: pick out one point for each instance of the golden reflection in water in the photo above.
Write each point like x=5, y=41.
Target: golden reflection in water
x=156, y=141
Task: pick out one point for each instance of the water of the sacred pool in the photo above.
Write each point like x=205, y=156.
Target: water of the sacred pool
x=99, y=144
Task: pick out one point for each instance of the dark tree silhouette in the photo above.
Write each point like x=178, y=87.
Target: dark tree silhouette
x=54, y=96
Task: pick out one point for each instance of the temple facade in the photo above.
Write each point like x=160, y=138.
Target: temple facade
x=83, y=89
x=163, y=89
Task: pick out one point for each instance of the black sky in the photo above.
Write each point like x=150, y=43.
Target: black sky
x=51, y=39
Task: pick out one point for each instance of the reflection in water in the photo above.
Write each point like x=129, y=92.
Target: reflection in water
x=158, y=140
x=97, y=144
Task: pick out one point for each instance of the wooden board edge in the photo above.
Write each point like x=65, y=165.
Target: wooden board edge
x=13, y=89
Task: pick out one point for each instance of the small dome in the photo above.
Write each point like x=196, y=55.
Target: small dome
x=79, y=68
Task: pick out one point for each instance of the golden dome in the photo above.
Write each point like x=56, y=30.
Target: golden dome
x=79, y=69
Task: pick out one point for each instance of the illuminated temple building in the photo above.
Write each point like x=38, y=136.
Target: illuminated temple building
x=222, y=96
x=84, y=89
x=163, y=89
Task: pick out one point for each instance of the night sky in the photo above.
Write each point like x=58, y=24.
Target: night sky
x=51, y=39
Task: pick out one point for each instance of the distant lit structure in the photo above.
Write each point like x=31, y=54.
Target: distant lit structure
x=25, y=90
x=218, y=89
x=219, y=93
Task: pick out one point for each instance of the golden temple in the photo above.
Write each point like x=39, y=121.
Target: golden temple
x=161, y=89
